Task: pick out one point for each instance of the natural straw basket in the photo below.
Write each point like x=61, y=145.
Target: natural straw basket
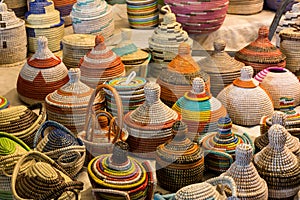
x=18, y=6
x=248, y=7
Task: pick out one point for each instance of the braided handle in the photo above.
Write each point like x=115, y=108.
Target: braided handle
x=151, y=180
x=220, y=153
x=110, y=191
x=224, y=180
x=69, y=164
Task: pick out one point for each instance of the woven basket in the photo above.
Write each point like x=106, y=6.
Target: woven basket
x=65, y=7
x=248, y=182
x=248, y=7
x=18, y=6
x=177, y=78
x=43, y=20
x=122, y=175
x=199, y=110
x=219, y=147
x=4, y=103
x=199, y=17
x=279, y=82
x=261, y=53
x=278, y=166
x=22, y=122
x=52, y=180
x=93, y=17
x=275, y=4
x=11, y=149
x=100, y=64
x=61, y=145
x=42, y=74
x=246, y=102
x=221, y=67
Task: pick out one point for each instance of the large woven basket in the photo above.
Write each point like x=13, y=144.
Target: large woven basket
x=52, y=180
x=248, y=7
x=22, y=122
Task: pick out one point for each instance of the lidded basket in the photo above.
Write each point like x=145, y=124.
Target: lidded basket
x=177, y=78
x=42, y=74
x=246, y=102
x=199, y=110
x=150, y=124
x=261, y=53
x=117, y=174
x=278, y=166
x=18, y=6
x=221, y=146
x=65, y=7
x=221, y=67
x=100, y=64
x=251, y=7
x=13, y=41
x=179, y=161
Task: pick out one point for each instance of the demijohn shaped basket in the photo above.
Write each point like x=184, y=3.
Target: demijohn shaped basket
x=246, y=102
x=219, y=147
x=11, y=149
x=247, y=7
x=278, y=166
x=53, y=181
x=13, y=45
x=179, y=161
x=42, y=74
x=248, y=182
x=22, y=122
x=279, y=82
x=61, y=145
x=118, y=175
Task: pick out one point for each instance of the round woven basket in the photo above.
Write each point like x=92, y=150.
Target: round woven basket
x=246, y=102
x=18, y=6
x=42, y=74
x=13, y=44
x=248, y=7
x=278, y=166
x=4, y=103
x=65, y=7
x=275, y=4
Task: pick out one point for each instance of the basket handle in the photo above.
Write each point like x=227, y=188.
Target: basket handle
x=151, y=180
x=224, y=180
x=15, y=139
x=220, y=153
x=70, y=164
x=110, y=191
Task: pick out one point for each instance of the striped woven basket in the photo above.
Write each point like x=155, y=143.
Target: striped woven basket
x=4, y=103
x=65, y=7
x=22, y=122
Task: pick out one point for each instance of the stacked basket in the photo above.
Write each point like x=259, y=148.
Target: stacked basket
x=65, y=8
x=248, y=7
x=18, y=6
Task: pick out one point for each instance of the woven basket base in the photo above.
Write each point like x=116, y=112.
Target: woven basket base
x=29, y=101
x=17, y=64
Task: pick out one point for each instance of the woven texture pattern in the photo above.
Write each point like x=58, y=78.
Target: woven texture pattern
x=275, y=4
x=65, y=7
x=18, y=6
x=243, y=7
x=4, y=103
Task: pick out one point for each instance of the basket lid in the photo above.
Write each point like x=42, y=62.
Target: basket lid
x=8, y=18
x=90, y=9
x=86, y=41
x=290, y=33
x=246, y=79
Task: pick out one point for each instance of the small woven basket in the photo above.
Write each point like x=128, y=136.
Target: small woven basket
x=248, y=7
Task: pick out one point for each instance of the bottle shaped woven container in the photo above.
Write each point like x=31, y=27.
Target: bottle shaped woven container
x=150, y=124
x=93, y=17
x=42, y=74
x=18, y=6
x=221, y=146
x=251, y=7
x=179, y=161
x=4, y=103
x=75, y=46
x=100, y=64
x=246, y=102
x=13, y=39
x=279, y=82
x=61, y=145
x=43, y=20
x=221, y=67
x=177, y=78
x=199, y=17
x=248, y=182
x=199, y=110
x=165, y=41
x=134, y=58
x=278, y=166
x=52, y=180
x=119, y=176
x=11, y=149
x=22, y=122
x=65, y=7
x=261, y=53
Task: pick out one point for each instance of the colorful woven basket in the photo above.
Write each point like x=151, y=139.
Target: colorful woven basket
x=179, y=161
x=93, y=17
x=100, y=64
x=279, y=82
x=199, y=110
x=177, y=78
x=11, y=149
x=220, y=146
x=165, y=41
x=4, y=103
x=42, y=74
x=248, y=7
x=42, y=179
x=278, y=166
x=13, y=44
x=43, y=20
x=68, y=105
x=150, y=124
x=121, y=173
x=246, y=102
x=248, y=182
x=65, y=7
x=221, y=67
x=22, y=122
x=199, y=16
x=261, y=53
x=18, y=6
